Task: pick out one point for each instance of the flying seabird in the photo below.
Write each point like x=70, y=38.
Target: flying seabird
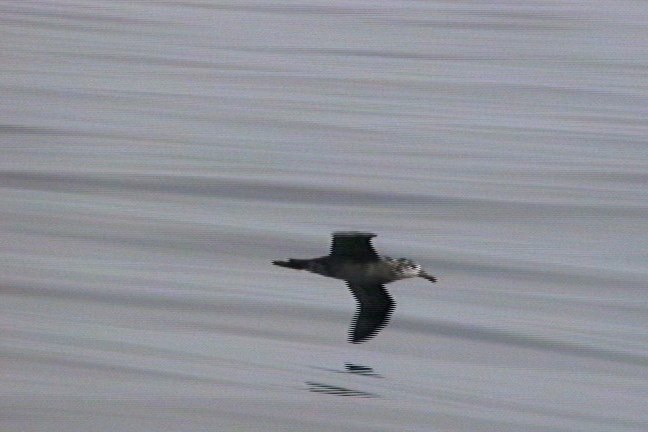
x=354, y=260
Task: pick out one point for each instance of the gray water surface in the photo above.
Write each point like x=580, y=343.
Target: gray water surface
x=157, y=156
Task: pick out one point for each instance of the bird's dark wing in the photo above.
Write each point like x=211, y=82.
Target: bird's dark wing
x=374, y=309
x=353, y=245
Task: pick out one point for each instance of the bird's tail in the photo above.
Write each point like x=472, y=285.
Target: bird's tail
x=297, y=264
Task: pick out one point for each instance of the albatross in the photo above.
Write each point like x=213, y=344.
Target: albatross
x=354, y=260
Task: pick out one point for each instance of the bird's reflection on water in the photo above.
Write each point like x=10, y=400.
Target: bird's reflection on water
x=349, y=368
x=361, y=370
x=338, y=391
x=354, y=369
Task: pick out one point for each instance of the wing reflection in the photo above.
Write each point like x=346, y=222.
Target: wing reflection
x=349, y=368
x=316, y=387
x=361, y=370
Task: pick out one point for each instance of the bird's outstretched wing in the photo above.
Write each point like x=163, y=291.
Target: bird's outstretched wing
x=353, y=245
x=374, y=309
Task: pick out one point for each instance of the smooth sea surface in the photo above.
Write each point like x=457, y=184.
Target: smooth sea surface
x=156, y=156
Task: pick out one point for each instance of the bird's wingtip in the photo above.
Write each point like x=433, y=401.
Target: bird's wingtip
x=353, y=234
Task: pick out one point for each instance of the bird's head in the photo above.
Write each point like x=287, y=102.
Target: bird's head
x=404, y=267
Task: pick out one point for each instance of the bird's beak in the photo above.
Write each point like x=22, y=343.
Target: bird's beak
x=427, y=276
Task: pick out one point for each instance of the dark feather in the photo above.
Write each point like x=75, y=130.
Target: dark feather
x=374, y=309
x=292, y=263
x=353, y=245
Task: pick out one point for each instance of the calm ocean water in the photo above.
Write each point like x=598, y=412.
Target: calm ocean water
x=156, y=156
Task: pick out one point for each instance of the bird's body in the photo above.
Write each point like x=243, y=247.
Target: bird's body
x=354, y=260
x=383, y=271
